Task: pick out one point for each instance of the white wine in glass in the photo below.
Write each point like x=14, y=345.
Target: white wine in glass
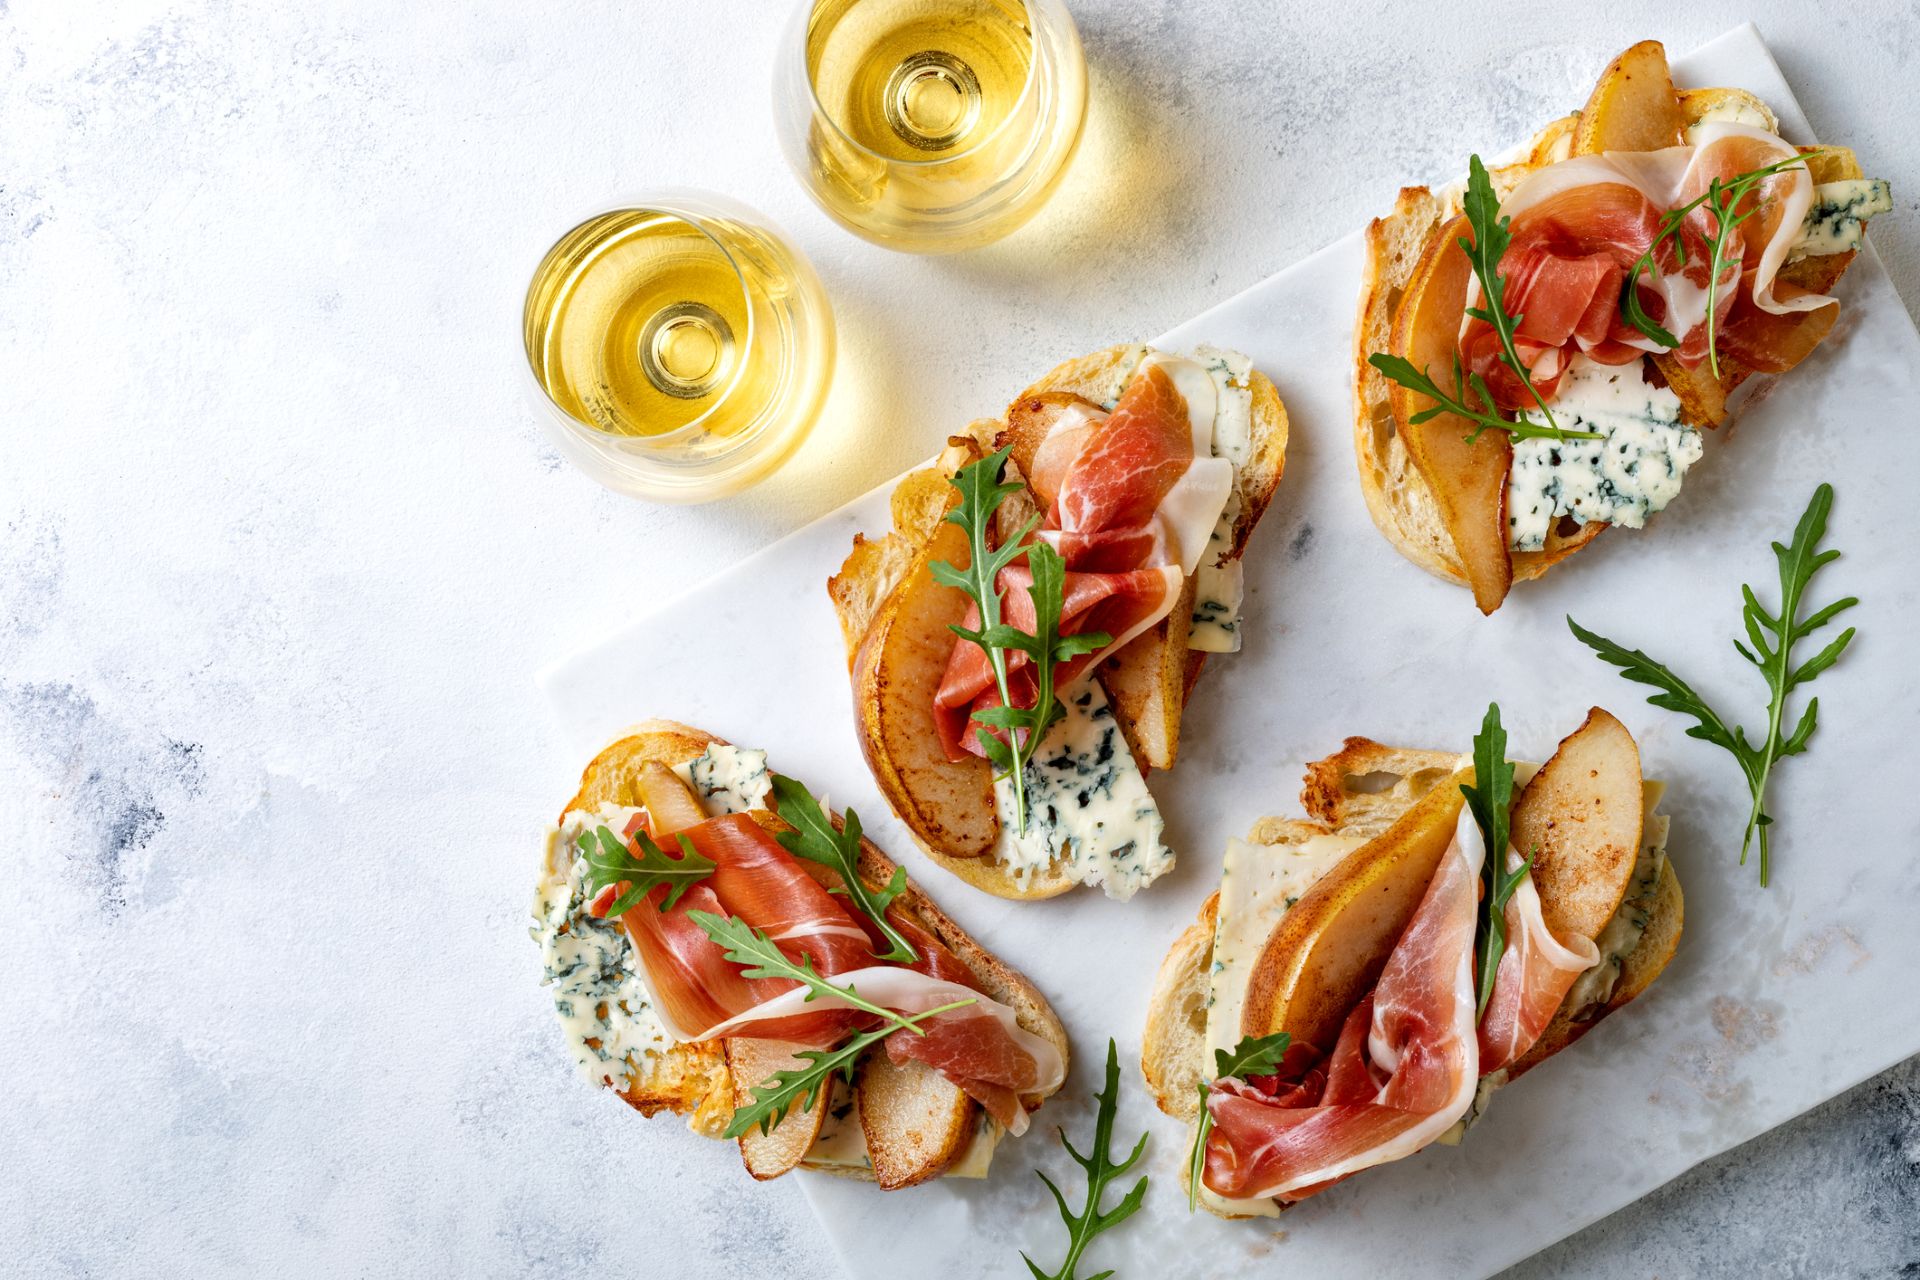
x=930, y=125
x=682, y=345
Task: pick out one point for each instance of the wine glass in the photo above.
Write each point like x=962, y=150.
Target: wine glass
x=930, y=126
x=681, y=345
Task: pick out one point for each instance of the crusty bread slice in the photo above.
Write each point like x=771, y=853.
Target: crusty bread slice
x=1148, y=681
x=1362, y=789
x=923, y=1121
x=1397, y=495
x=1365, y=786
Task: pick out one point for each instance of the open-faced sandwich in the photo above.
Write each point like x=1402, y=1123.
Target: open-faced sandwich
x=1538, y=349
x=722, y=946
x=1364, y=980
x=1024, y=640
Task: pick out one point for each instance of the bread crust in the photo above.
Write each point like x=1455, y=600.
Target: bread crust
x=1148, y=683
x=1398, y=497
x=693, y=1079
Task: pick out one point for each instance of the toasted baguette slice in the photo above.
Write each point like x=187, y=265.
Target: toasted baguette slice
x=894, y=620
x=1362, y=790
x=916, y=1123
x=1398, y=497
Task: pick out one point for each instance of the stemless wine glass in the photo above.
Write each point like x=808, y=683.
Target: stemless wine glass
x=930, y=125
x=681, y=345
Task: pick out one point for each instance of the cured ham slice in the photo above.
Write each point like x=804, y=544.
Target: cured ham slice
x=1130, y=506
x=1577, y=228
x=1121, y=604
x=981, y=1047
x=695, y=987
x=1536, y=972
x=701, y=995
x=1403, y=1070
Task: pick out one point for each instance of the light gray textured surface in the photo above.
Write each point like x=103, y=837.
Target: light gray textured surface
x=280, y=542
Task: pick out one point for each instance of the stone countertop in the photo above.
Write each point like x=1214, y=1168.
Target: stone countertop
x=281, y=543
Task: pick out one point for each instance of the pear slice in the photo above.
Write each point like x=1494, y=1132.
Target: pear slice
x=948, y=805
x=1633, y=107
x=1579, y=819
x=770, y=1154
x=1328, y=951
x=1469, y=481
x=916, y=1122
x=670, y=806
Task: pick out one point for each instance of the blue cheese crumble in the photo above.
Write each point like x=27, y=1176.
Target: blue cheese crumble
x=1632, y=471
x=727, y=779
x=597, y=992
x=1091, y=816
x=1218, y=584
x=1837, y=222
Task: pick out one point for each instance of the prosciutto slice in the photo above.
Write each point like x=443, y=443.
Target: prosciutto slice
x=1577, y=228
x=1536, y=972
x=1402, y=1072
x=1123, y=605
x=1130, y=501
x=701, y=995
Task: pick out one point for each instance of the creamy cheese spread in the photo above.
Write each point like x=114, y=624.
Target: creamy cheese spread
x=597, y=994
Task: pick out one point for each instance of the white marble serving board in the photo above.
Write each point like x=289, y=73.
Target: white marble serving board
x=1778, y=999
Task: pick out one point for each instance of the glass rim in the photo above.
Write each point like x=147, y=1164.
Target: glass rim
x=1027, y=89
x=695, y=208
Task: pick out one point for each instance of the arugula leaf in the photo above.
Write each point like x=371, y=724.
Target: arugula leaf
x=1488, y=245
x=1020, y=729
x=1089, y=1222
x=1253, y=1056
x=760, y=957
x=1045, y=648
x=1772, y=639
x=611, y=862
x=982, y=490
x=1724, y=196
x=814, y=838
x=781, y=1092
x=1401, y=370
x=1491, y=800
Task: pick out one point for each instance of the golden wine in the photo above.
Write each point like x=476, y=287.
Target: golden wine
x=932, y=125
x=919, y=80
x=688, y=348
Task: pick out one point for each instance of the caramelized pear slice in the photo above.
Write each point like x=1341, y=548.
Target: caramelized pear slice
x=916, y=1122
x=770, y=1154
x=1469, y=481
x=1328, y=951
x=948, y=805
x=1579, y=819
x=1633, y=107
x=670, y=806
